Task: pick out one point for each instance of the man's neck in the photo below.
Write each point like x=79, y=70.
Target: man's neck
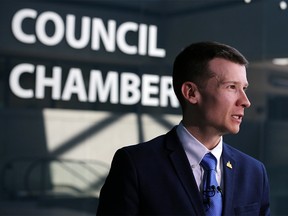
x=209, y=139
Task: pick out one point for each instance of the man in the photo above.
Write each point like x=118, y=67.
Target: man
x=167, y=175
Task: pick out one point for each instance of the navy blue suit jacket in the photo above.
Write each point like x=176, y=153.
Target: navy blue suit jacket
x=155, y=178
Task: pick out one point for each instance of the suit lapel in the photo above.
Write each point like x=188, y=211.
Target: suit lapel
x=229, y=168
x=184, y=172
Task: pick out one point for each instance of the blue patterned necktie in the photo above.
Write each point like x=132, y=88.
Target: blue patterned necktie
x=211, y=194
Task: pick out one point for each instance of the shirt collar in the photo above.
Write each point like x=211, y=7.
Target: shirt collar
x=194, y=149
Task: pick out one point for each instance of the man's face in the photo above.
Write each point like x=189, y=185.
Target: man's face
x=223, y=99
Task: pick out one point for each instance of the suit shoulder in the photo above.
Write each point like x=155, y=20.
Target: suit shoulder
x=156, y=142
x=152, y=148
x=146, y=146
x=241, y=156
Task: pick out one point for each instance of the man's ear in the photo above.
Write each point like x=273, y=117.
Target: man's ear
x=190, y=92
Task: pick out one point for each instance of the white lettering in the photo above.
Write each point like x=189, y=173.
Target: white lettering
x=108, y=37
x=91, y=35
x=54, y=82
x=17, y=25
x=167, y=92
x=14, y=80
x=83, y=41
x=148, y=89
x=116, y=88
x=121, y=39
x=96, y=85
x=130, y=93
x=142, y=43
x=41, y=24
x=74, y=85
x=152, y=46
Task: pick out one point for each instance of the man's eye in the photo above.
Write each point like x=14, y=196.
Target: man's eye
x=232, y=87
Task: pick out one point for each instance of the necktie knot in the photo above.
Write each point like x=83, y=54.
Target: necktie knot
x=209, y=162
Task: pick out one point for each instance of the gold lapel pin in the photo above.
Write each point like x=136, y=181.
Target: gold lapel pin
x=229, y=165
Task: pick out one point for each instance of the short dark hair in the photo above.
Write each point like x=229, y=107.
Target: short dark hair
x=191, y=64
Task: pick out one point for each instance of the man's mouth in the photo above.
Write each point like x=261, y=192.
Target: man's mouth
x=237, y=117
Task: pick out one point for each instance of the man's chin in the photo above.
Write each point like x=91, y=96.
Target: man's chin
x=235, y=131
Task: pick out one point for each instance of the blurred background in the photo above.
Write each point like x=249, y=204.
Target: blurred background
x=80, y=79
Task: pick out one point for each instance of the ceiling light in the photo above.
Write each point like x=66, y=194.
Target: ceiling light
x=283, y=5
x=280, y=61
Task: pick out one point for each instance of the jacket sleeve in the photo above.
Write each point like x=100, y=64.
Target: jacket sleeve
x=119, y=195
x=265, y=204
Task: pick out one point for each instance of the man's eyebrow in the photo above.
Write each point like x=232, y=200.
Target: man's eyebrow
x=233, y=82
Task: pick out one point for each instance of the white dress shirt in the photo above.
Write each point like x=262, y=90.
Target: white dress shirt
x=195, y=152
